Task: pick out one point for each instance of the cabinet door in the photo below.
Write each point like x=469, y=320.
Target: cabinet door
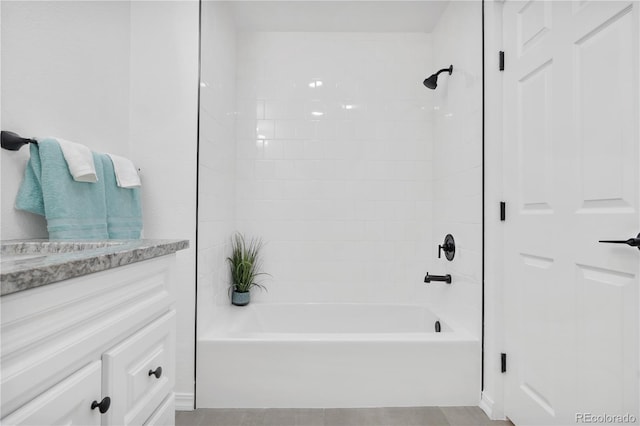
x=127, y=372
x=165, y=415
x=68, y=402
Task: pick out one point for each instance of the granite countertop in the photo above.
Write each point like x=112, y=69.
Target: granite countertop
x=26, y=264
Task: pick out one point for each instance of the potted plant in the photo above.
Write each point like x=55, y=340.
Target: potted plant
x=245, y=264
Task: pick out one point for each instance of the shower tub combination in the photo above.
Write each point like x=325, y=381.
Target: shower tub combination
x=335, y=355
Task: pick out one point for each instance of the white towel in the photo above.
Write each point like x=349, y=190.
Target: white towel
x=79, y=160
x=126, y=173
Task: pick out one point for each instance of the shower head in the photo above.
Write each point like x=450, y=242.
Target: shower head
x=432, y=82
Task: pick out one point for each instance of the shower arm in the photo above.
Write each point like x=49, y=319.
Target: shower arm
x=443, y=70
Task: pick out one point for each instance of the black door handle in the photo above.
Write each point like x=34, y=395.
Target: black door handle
x=633, y=242
x=103, y=405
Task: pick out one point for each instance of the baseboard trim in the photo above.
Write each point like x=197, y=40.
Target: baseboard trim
x=184, y=401
x=486, y=405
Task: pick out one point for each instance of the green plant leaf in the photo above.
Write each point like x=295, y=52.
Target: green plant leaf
x=245, y=263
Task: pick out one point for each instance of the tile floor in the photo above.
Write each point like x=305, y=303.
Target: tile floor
x=418, y=416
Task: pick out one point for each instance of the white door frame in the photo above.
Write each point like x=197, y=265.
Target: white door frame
x=492, y=400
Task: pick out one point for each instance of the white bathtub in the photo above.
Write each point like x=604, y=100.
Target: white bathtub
x=335, y=355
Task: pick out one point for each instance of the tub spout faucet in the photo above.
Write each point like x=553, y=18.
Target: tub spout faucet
x=445, y=278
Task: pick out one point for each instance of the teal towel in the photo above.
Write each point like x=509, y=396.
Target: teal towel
x=124, y=209
x=74, y=210
x=30, y=192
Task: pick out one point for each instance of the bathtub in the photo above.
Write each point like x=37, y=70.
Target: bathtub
x=335, y=355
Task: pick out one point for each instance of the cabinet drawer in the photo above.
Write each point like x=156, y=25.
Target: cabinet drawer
x=165, y=415
x=135, y=392
x=68, y=402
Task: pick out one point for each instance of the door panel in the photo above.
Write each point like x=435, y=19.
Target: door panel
x=603, y=102
x=534, y=138
x=571, y=149
x=533, y=24
x=606, y=328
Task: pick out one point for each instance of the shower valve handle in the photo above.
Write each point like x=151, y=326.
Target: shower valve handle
x=447, y=247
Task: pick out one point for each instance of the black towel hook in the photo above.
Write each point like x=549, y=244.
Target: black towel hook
x=13, y=142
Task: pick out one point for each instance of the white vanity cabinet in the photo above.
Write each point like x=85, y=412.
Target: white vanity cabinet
x=70, y=345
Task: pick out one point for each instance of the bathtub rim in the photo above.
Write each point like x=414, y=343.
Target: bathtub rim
x=218, y=333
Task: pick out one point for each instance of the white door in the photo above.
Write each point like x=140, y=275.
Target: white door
x=571, y=136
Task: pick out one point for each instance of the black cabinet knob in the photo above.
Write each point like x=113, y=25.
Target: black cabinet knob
x=157, y=372
x=103, y=405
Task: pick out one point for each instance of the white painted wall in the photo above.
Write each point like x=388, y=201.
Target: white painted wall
x=65, y=72
x=336, y=178
x=216, y=214
x=163, y=139
x=120, y=77
x=457, y=165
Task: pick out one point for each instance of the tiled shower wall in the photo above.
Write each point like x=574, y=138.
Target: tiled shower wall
x=334, y=163
x=217, y=181
x=457, y=171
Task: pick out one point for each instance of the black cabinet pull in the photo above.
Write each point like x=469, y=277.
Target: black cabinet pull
x=103, y=405
x=633, y=242
x=157, y=372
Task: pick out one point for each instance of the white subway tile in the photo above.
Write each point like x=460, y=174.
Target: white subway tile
x=292, y=148
x=265, y=169
x=285, y=129
x=273, y=150
x=265, y=129
x=314, y=149
x=284, y=110
x=350, y=192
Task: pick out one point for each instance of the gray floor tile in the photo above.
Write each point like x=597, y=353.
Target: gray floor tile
x=189, y=418
x=224, y=417
x=412, y=416
x=426, y=416
x=395, y=416
x=253, y=417
x=354, y=417
x=293, y=417
x=469, y=416
x=465, y=416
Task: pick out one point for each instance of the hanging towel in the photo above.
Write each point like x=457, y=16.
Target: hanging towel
x=74, y=210
x=30, y=197
x=80, y=161
x=126, y=173
x=124, y=209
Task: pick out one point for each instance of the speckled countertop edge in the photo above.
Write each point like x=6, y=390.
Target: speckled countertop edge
x=85, y=258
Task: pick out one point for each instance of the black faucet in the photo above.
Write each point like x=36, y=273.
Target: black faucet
x=445, y=278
